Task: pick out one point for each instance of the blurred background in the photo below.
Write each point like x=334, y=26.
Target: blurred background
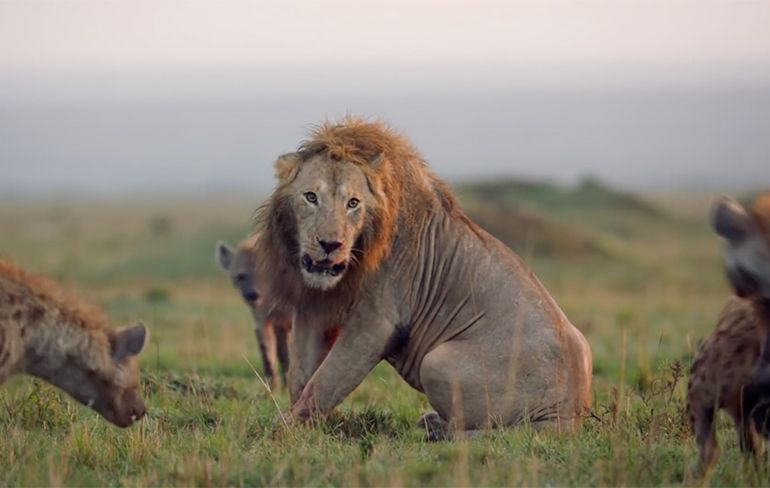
x=590, y=137
x=106, y=97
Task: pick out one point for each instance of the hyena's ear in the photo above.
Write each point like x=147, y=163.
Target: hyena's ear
x=223, y=255
x=730, y=219
x=286, y=167
x=128, y=341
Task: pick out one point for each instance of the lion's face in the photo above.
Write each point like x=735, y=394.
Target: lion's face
x=330, y=200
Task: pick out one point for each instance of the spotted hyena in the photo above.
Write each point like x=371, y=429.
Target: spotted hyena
x=46, y=333
x=272, y=327
x=732, y=368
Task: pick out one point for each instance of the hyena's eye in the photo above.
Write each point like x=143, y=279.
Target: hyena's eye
x=240, y=277
x=311, y=197
x=353, y=203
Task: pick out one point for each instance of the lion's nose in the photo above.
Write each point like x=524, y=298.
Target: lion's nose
x=330, y=246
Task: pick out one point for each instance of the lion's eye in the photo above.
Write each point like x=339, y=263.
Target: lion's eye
x=353, y=202
x=311, y=197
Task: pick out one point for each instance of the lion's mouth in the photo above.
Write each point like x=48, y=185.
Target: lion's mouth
x=323, y=267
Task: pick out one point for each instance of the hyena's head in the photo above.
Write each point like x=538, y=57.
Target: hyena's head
x=239, y=264
x=747, y=254
x=104, y=375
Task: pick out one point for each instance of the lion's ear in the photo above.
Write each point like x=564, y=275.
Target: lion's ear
x=376, y=160
x=286, y=167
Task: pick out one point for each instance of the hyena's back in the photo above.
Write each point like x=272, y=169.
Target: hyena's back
x=726, y=360
x=12, y=298
x=724, y=364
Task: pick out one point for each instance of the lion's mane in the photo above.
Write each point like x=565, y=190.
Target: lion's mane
x=396, y=175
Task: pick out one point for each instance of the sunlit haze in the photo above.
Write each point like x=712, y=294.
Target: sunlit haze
x=103, y=96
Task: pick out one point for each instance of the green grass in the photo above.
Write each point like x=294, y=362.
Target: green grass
x=643, y=302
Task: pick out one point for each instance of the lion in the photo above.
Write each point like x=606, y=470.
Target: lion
x=359, y=232
x=732, y=368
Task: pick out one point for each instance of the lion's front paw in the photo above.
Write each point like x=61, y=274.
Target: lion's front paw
x=285, y=420
x=300, y=414
x=280, y=423
x=282, y=419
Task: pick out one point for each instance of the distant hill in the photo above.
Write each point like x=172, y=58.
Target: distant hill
x=528, y=232
x=544, y=218
x=590, y=194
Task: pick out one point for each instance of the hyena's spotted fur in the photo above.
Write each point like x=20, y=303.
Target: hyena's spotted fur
x=732, y=368
x=49, y=334
x=722, y=368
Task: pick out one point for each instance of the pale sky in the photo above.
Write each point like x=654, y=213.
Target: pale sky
x=681, y=39
x=126, y=95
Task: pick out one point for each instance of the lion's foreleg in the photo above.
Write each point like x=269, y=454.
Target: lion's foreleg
x=305, y=354
x=350, y=360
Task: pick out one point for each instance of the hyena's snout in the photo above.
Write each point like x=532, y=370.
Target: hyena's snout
x=250, y=295
x=132, y=409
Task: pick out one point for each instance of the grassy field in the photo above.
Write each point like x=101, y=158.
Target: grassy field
x=641, y=279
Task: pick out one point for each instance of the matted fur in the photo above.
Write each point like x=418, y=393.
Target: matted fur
x=398, y=178
x=73, y=309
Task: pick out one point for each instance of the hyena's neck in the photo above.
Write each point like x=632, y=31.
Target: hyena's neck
x=10, y=349
x=54, y=352
x=762, y=311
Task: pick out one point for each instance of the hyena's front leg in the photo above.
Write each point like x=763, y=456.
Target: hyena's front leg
x=264, y=351
x=282, y=328
x=270, y=357
x=305, y=354
x=703, y=428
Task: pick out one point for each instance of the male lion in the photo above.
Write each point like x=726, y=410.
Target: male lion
x=359, y=232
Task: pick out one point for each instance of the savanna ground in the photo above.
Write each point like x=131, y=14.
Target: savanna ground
x=643, y=281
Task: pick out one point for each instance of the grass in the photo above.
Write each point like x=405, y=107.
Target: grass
x=643, y=302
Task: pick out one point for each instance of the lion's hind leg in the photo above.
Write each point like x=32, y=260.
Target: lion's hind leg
x=465, y=394
x=437, y=429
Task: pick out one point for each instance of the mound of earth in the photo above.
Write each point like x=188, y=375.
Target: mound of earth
x=528, y=232
x=590, y=194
